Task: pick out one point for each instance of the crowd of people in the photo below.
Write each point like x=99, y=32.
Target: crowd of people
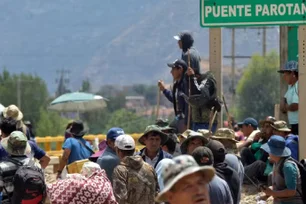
x=186, y=161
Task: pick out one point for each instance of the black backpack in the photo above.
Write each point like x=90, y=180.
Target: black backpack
x=302, y=171
x=29, y=184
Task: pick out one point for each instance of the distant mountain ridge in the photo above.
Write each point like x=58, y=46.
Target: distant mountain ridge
x=109, y=41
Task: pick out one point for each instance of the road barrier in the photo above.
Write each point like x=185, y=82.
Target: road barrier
x=53, y=144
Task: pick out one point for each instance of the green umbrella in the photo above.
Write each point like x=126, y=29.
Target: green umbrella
x=78, y=101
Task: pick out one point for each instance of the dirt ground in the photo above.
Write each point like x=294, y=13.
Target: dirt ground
x=248, y=194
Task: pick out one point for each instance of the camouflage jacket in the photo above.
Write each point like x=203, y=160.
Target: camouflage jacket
x=135, y=181
x=203, y=90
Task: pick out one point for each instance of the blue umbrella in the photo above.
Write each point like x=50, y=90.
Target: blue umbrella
x=78, y=101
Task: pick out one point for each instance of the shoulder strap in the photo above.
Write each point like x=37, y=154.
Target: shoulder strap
x=90, y=150
x=14, y=161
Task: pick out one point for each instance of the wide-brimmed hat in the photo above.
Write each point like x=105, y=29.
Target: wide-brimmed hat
x=269, y=119
x=225, y=134
x=205, y=133
x=185, y=133
x=162, y=122
x=191, y=135
x=180, y=167
x=77, y=129
x=277, y=146
x=153, y=128
x=12, y=111
x=16, y=144
x=281, y=126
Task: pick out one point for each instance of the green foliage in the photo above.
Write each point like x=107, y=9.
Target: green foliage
x=96, y=120
x=258, y=89
x=33, y=93
x=86, y=86
x=50, y=124
x=148, y=91
x=129, y=121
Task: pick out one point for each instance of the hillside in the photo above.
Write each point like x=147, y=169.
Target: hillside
x=109, y=41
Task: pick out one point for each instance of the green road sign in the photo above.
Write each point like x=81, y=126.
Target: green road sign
x=226, y=13
x=293, y=43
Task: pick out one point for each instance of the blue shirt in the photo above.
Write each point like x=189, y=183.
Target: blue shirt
x=292, y=142
x=108, y=161
x=292, y=97
x=78, y=152
x=219, y=191
x=36, y=151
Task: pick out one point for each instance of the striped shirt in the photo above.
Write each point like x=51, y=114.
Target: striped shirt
x=7, y=173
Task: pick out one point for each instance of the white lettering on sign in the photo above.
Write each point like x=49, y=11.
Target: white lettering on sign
x=290, y=8
x=258, y=9
x=248, y=10
x=296, y=10
x=303, y=9
x=273, y=10
x=283, y=9
x=265, y=11
x=224, y=11
x=208, y=10
x=232, y=11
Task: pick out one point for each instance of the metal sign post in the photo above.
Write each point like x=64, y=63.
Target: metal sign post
x=215, y=62
x=302, y=92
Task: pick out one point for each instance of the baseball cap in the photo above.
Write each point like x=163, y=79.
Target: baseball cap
x=290, y=66
x=184, y=34
x=249, y=121
x=178, y=63
x=125, y=142
x=114, y=132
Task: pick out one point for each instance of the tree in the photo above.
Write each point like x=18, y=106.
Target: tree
x=50, y=124
x=148, y=91
x=128, y=121
x=258, y=89
x=86, y=86
x=31, y=91
x=62, y=89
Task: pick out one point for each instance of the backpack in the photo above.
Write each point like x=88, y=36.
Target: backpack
x=29, y=184
x=302, y=171
x=214, y=100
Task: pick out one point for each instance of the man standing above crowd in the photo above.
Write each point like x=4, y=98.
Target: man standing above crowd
x=178, y=69
x=189, y=53
x=290, y=103
x=203, y=98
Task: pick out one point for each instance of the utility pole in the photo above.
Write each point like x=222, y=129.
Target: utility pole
x=264, y=41
x=62, y=81
x=233, y=56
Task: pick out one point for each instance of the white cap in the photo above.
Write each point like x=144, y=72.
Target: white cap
x=125, y=142
x=177, y=37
